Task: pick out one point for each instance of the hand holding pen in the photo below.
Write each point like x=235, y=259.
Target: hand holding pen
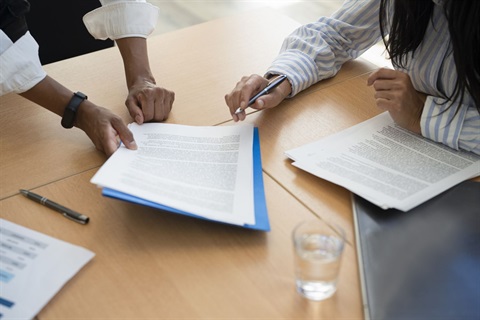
x=251, y=88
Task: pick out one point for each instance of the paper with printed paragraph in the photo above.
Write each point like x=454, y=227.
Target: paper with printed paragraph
x=203, y=170
x=386, y=164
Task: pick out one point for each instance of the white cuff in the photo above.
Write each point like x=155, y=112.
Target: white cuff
x=20, y=65
x=121, y=20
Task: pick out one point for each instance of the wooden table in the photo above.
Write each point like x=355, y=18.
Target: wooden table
x=305, y=119
x=154, y=264
x=200, y=75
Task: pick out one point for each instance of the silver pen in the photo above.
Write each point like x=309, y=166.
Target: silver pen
x=67, y=213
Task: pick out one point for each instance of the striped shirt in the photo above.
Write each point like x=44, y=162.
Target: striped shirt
x=316, y=51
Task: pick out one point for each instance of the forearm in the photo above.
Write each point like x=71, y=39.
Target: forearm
x=49, y=94
x=54, y=97
x=317, y=50
x=135, y=60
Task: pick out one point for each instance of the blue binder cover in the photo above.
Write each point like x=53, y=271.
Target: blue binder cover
x=261, y=215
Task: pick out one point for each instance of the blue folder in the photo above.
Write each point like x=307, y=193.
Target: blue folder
x=261, y=215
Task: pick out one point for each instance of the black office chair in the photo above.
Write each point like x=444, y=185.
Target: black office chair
x=58, y=28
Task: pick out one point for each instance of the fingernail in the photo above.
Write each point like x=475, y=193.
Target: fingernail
x=133, y=145
x=138, y=119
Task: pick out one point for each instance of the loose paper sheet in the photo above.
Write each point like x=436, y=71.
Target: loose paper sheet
x=206, y=171
x=386, y=164
x=33, y=268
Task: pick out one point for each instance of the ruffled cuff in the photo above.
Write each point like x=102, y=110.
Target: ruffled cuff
x=121, y=20
x=19, y=64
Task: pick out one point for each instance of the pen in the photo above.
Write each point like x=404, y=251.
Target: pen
x=67, y=213
x=272, y=85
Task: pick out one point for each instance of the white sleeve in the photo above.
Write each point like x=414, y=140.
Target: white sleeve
x=121, y=19
x=19, y=64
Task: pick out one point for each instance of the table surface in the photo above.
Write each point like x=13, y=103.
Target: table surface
x=154, y=264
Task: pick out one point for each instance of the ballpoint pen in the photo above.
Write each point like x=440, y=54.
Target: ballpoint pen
x=67, y=213
x=272, y=85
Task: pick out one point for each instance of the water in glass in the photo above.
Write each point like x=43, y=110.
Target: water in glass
x=317, y=261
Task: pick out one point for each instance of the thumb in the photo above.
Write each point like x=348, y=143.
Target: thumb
x=125, y=135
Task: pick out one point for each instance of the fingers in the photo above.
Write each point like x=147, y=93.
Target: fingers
x=116, y=133
x=124, y=133
x=134, y=109
x=246, y=88
x=242, y=93
x=382, y=73
x=149, y=103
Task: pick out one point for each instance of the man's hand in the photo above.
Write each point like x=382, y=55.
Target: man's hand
x=104, y=128
x=147, y=102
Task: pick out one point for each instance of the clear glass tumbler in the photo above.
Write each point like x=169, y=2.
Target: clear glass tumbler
x=318, y=250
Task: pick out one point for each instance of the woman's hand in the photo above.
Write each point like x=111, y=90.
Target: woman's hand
x=247, y=87
x=394, y=92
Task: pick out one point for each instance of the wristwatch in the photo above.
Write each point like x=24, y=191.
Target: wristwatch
x=71, y=110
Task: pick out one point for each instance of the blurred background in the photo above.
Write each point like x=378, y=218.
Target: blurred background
x=177, y=14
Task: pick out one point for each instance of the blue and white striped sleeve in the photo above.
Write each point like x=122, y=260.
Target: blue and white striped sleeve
x=456, y=129
x=317, y=51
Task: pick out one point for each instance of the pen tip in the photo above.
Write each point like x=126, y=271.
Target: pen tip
x=24, y=192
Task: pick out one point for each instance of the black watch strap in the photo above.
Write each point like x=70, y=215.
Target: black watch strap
x=70, y=112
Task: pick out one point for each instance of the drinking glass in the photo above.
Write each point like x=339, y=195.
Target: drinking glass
x=318, y=251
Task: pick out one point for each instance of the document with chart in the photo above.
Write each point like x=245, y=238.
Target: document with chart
x=386, y=164
x=33, y=268
x=210, y=172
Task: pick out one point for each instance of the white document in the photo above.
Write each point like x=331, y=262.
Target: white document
x=386, y=164
x=33, y=268
x=203, y=170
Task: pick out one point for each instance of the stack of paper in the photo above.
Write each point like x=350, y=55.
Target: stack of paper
x=213, y=173
x=385, y=164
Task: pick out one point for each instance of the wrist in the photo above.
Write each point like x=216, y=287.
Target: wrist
x=84, y=114
x=285, y=87
x=141, y=81
x=70, y=111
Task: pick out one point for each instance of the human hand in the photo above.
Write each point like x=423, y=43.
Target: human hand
x=394, y=92
x=104, y=128
x=247, y=87
x=147, y=102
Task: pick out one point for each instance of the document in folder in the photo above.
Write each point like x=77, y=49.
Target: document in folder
x=212, y=173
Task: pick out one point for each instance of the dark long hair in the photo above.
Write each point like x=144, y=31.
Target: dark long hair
x=408, y=26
